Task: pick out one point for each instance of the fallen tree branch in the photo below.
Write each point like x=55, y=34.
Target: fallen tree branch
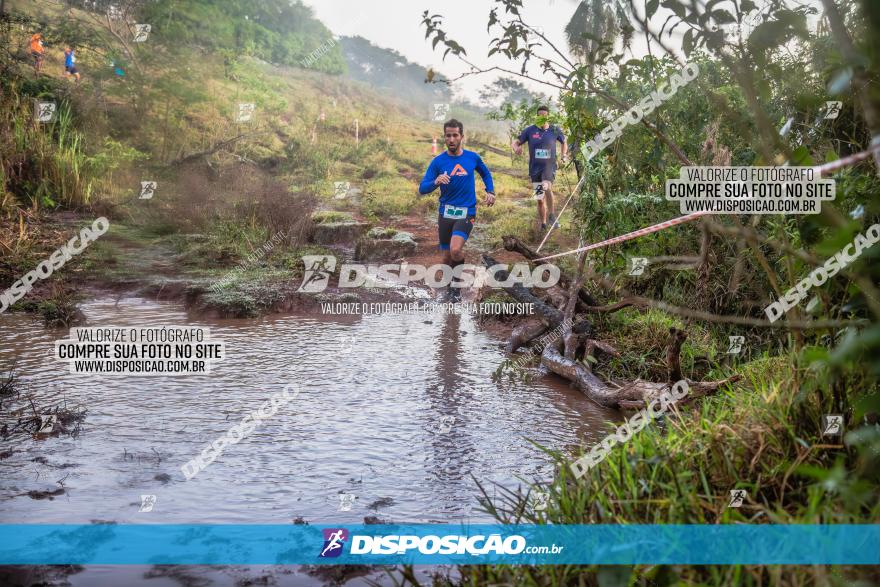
x=524, y=334
x=513, y=244
x=636, y=393
x=547, y=313
x=673, y=355
x=639, y=301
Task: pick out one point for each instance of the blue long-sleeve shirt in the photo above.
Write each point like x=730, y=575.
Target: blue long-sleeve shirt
x=461, y=190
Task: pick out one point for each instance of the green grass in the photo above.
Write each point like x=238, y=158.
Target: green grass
x=507, y=218
x=331, y=217
x=756, y=437
x=381, y=233
x=642, y=339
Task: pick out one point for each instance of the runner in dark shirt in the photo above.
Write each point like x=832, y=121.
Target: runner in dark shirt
x=542, y=140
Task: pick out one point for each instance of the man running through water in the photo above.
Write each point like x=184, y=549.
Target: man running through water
x=542, y=139
x=454, y=172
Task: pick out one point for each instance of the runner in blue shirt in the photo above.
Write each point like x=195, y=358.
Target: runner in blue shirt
x=542, y=140
x=70, y=63
x=454, y=172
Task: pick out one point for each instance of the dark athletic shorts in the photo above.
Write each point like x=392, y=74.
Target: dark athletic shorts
x=547, y=174
x=72, y=70
x=447, y=227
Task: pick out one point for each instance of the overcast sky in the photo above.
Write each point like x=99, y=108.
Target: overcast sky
x=396, y=24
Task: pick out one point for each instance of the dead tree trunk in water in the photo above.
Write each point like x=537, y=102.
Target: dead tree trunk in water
x=513, y=244
x=632, y=395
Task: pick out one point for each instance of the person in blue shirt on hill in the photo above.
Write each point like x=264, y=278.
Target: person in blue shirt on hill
x=453, y=171
x=70, y=68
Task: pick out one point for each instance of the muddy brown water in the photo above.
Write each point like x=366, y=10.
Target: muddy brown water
x=398, y=409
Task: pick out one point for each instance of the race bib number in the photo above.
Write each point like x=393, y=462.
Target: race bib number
x=542, y=153
x=454, y=211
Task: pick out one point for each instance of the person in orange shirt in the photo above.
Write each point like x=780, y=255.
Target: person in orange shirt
x=37, y=51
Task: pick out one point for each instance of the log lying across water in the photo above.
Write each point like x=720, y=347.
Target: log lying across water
x=631, y=395
x=513, y=244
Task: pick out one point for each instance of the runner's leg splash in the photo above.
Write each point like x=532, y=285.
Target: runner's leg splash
x=455, y=257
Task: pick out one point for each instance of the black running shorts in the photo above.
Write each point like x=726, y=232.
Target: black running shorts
x=447, y=227
x=548, y=173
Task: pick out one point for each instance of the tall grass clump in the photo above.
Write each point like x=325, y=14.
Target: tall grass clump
x=43, y=164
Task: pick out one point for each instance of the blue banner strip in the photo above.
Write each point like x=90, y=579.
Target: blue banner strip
x=111, y=544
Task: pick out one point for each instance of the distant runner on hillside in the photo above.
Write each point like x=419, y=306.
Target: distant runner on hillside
x=454, y=172
x=70, y=63
x=542, y=140
x=37, y=50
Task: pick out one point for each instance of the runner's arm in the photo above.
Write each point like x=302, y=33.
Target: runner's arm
x=427, y=186
x=519, y=141
x=561, y=138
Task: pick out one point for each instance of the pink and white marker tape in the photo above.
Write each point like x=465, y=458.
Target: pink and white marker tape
x=848, y=160
x=630, y=235
x=820, y=169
